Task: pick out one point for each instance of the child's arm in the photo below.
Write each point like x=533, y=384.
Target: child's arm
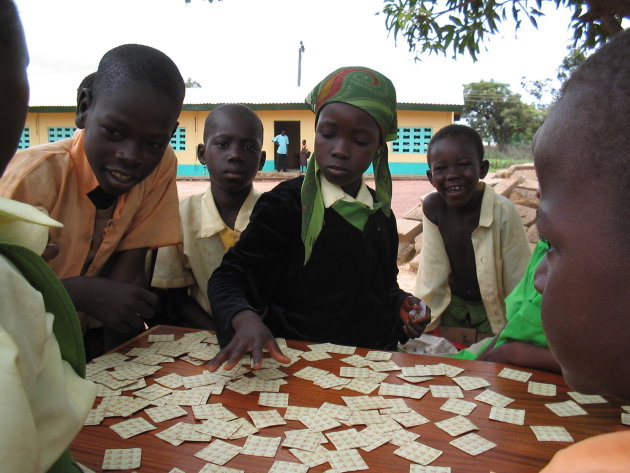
x=522, y=354
x=432, y=280
x=252, y=269
x=251, y=335
x=409, y=322
x=188, y=310
x=119, y=299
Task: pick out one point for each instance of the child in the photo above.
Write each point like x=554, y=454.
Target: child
x=582, y=161
x=474, y=248
x=304, y=155
x=213, y=221
x=112, y=185
x=522, y=341
x=318, y=259
x=45, y=399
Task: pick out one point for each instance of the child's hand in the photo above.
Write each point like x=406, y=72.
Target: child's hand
x=119, y=306
x=251, y=335
x=415, y=316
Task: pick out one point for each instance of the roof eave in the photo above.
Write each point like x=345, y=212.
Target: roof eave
x=430, y=107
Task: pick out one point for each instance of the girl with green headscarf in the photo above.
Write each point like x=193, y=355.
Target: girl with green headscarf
x=318, y=259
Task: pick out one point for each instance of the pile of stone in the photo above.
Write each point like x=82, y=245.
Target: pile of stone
x=518, y=183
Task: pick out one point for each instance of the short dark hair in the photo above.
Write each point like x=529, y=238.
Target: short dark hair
x=599, y=94
x=451, y=131
x=236, y=108
x=606, y=106
x=136, y=63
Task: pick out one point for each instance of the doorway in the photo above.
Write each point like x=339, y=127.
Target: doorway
x=292, y=129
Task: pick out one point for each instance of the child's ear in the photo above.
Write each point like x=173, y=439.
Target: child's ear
x=263, y=158
x=201, y=151
x=83, y=105
x=430, y=176
x=483, y=169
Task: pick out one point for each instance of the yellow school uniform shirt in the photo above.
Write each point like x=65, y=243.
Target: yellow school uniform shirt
x=44, y=402
x=57, y=177
x=501, y=255
x=206, y=239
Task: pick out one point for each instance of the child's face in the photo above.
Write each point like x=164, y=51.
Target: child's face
x=346, y=142
x=584, y=277
x=455, y=169
x=126, y=133
x=13, y=89
x=232, y=151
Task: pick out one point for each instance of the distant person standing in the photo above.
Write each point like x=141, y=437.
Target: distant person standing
x=304, y=155
x=282, y=140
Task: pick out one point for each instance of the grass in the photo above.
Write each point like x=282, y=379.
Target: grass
x=503, y=160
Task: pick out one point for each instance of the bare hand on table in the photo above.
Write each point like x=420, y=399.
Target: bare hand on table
x=251, y=335
x=118, y=305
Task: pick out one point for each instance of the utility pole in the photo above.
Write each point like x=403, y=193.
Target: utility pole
x=300, y=51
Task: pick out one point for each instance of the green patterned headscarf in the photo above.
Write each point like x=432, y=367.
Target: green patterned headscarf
x=373, y=93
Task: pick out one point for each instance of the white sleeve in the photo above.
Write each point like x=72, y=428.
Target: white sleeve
x=44, y=402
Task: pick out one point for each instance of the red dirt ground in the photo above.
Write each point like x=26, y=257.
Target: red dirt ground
x=406, y=193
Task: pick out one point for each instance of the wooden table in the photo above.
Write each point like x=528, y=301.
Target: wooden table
x=517, y=448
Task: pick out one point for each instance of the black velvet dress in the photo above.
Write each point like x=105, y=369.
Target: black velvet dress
x=347, y=293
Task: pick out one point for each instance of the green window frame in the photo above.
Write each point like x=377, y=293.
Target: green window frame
x=56, y=133
x=178, y=141
x=25, y=139
x=412, y=139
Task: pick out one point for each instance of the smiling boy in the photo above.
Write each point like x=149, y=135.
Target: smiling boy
x=213, y=221
x=474, y=248
x=112, y=185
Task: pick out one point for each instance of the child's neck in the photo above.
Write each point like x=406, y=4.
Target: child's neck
x=229, y=203
x=101, y=199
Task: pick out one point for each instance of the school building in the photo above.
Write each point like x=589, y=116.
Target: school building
x=418, y=119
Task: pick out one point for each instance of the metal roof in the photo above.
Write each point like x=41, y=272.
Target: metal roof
x=61, y=98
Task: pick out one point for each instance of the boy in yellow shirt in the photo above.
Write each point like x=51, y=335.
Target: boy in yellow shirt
x=213, y=221
x=474, y=248
x=45, y=399
x=113, y=187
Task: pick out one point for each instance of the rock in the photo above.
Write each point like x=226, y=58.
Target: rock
x=492, y=181
x=525, y=197
x=521, y=167
x=414, y=264
x=532, y=234
x=528, y=174
x=505, y=173
x=506, y=186
x=406, y=251
x=418, y=243
x=528, y=214
x=408, y=229
x=530, y=184
x=415, y=213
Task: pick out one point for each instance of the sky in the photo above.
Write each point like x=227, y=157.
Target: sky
x=241, y=50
